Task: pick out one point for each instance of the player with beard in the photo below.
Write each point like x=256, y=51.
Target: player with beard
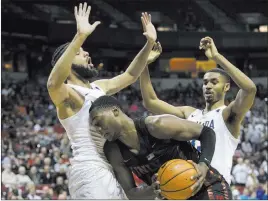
x=144, y=144
x=90, y=175
x=224, y=120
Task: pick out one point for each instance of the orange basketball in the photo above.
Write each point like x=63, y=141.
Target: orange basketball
x=175, y=179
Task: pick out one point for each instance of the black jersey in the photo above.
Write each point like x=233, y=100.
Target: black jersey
x=154, y=153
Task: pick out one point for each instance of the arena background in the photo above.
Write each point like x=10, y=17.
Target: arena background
x=35, y=151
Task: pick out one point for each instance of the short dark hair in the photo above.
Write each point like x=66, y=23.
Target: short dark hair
x=105, y=102
x=58, y=52
x=222, y=72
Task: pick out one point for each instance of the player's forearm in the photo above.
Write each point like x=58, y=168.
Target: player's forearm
x=147, y=90
x=62, y=68
x=242, y=80
x=207, y=140
x=145, y=193
x=139, y=62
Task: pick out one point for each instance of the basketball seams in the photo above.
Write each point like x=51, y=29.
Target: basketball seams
x=176, y=176
x=177, y=190
x=165, y=169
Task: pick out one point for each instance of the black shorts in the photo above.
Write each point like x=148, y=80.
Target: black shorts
x=216, y=191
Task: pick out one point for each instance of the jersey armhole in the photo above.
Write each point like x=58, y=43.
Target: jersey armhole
x=95, y=86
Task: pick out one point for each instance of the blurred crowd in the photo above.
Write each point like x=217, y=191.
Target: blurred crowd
x=35, y=150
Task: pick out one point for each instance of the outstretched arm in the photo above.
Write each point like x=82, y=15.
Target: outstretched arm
x=150, y=99
x=112, y=86
x=124, y=175
x=172, y=127
x=246, y=95
x=55, y=84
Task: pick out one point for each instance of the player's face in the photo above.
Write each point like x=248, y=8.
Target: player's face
x=214, y=87
x=82, y=65
x=107, y=122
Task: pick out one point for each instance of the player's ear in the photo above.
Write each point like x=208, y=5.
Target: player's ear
x=115, y=111
x=227, y=87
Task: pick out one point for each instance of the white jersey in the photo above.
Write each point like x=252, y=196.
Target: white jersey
x=90, y=175
x=226, y=144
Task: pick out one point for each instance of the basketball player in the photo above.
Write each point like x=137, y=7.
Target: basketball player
x=144, y=144
x=224, y=120
x=90, y=175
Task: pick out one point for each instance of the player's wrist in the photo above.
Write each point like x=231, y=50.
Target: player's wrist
x=217, y=57
x=204, y=163
x=82, y=35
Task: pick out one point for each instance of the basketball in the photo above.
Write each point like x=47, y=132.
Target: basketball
x=175, y=179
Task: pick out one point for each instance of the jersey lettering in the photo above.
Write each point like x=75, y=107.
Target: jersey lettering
x=209, y=124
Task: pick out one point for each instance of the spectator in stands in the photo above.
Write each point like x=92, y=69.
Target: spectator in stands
x=263, y=176
x=47, y=177
x=246, y=148
x=32, y=193
x=22, y=178
x=9, y=178
x=60, y=185
x=240, y=173
x=34, y=175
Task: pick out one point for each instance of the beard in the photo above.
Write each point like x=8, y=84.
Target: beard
x=84, y=73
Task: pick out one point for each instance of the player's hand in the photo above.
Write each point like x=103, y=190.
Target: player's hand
x=156, y=187
x=202, y=170
x=155, y=53
x=81, y=17
x=148, y=28
x=209, y=46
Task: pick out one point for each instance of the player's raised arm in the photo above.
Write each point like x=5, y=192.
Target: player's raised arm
x=132, y=73
x=246, y=94
x=61, y=69
x=124, y=175
x=150, y=99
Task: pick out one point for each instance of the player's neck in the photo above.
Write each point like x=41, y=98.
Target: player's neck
x=73, y=79
x=214, y=106
x=129, y=135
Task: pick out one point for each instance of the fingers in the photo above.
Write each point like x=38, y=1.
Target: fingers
x=143, y=24
x=75, y=11
x=159, y=47
x=156, y=185
x=80, y=10
x=206, y=43
x=198, y=174
x=197, y=186
x=88, y=10
x=146, y=18
x=154, y=178
x=84, y=9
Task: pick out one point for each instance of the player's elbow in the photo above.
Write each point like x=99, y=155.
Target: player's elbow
x=253, y=89
x=50, y=84
x=150, y=104
x=132, y=78
x=147, y=104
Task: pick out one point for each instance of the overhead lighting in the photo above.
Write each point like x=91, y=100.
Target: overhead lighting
x=263, y=28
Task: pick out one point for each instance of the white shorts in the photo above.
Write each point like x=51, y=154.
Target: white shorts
x=89, y=181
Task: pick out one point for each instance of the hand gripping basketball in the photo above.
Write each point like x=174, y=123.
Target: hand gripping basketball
x=201, y=175
x=156, y=187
